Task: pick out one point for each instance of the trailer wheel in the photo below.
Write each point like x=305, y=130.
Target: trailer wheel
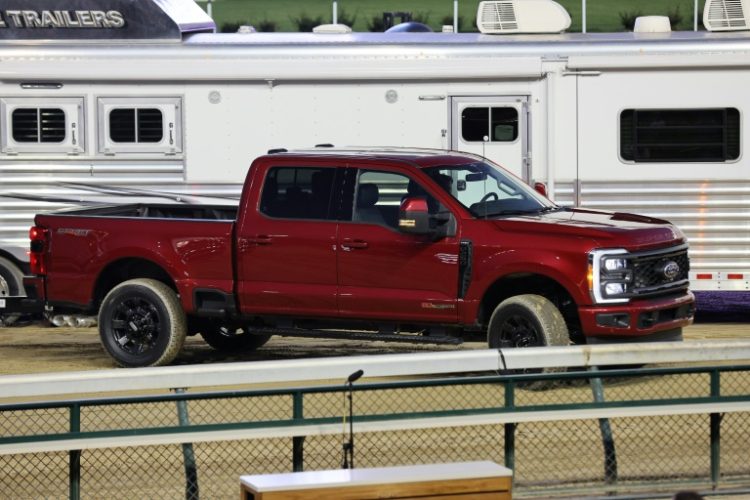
x=527, y=321
x=11, y=284
x=142, y=323
x=229, y=338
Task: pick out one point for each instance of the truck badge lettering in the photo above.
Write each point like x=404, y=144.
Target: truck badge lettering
x=407, y=223
x=73, y=232
x=432, y=305
x=45, y=19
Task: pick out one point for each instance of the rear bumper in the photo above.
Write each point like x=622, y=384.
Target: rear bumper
x=32, y=303
x=638, y=320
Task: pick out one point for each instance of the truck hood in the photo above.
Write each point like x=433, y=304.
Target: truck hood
x=609, y=229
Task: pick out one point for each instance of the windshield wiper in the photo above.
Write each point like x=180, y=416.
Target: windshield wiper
x=535, y=211
x=553, y=208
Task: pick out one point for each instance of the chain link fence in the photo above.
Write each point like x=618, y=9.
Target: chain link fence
x=549, y=456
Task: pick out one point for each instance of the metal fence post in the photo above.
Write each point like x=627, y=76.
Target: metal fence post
x=188, y=455
x=608, y=440
x=715, y=422
x=298, y=442
x=74, y=456
x=510, y=428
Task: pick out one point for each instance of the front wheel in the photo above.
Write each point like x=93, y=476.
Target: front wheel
x=228, y=339
x=527, y=321
x=142, y=323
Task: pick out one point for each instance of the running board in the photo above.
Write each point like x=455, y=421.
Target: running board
x=349, y=335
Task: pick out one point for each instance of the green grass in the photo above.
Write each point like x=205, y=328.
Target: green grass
x=602, y=15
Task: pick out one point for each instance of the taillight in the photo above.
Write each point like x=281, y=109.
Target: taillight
x=38, y=236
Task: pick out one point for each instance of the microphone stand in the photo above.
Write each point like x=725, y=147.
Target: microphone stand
x=348, y=462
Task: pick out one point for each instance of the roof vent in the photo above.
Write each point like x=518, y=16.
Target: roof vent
x=726, y=15
x=652, y=24
x=332, y=29
x=522, y=16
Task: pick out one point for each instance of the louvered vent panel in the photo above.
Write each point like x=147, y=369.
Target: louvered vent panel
x=498, y=17
x=726, y=14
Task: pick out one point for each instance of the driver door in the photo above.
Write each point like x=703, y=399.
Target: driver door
x=384, y=273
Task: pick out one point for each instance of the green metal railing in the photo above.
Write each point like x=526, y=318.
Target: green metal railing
x=535, y=432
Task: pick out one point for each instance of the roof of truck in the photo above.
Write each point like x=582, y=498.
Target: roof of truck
x=416, y=156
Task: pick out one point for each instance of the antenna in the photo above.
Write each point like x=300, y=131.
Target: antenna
x=348, y=462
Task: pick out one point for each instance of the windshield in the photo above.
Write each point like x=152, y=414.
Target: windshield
x=488, y=191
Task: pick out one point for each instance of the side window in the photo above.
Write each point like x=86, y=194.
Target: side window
x=140, y=125
x=680, y=135
x=378, y=196
x=42, y=125
x=298, y=193
x=136, y=125
x=496, y=124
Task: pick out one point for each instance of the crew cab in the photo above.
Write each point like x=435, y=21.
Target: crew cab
x=415, y=245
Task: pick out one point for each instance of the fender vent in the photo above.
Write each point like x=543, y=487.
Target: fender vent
x=725, y=15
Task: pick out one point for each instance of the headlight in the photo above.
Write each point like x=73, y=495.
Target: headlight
x=610, y=275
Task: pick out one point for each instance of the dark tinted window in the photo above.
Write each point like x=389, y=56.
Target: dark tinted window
x=497, y=124
x=298, y=193
x=682, y=135
x=136, y=125
x=41, y=125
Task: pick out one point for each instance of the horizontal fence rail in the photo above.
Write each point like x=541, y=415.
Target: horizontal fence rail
x=596, y=431
x=390, y=365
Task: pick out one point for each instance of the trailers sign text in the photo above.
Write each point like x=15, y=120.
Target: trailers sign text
x=61, y=19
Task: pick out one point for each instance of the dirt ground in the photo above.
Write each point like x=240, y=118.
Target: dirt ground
x=41, y=348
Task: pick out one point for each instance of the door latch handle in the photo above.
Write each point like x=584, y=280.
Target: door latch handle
x=350, y=243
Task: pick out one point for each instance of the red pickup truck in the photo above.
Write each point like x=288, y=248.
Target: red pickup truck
x=411, y=245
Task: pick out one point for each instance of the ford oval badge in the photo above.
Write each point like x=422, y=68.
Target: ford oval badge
x=670, y=270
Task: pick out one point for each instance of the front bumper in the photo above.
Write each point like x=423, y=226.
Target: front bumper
x=638, y=319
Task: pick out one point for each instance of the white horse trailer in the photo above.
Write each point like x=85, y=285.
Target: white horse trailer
x=143, y=101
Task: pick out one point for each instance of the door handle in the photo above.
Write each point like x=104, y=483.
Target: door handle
x=350, y=243
x=260, y=239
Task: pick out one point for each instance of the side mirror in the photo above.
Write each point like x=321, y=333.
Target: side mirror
x=414, y=216
x=541, y=188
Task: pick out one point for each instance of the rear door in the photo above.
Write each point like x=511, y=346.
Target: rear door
x=286, y=245
x=495, y=127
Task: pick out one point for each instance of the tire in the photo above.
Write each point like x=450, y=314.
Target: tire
x=142, y=323
x=232, y=339
x=527, y=321
x=11, y=285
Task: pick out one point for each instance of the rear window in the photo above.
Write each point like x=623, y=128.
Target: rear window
x=298, y=193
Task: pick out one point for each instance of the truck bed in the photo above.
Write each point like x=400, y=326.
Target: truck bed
x=160, y=211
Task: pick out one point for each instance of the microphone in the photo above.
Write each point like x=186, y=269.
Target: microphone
x=355, y=376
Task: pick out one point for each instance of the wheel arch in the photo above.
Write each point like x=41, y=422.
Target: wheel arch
x=129, y=268
x=521, y=283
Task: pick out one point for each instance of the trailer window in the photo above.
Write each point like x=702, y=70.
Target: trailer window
x=38, y=125
x=298, y=193
x=139, y=125
x=136, y=125
x=42, y=126
x=680, y=135
x=494, y=124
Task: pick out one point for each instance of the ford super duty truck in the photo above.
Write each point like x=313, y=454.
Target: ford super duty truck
x=391, y=245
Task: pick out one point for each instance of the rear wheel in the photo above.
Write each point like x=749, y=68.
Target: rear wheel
x=229, y=338
x=142, y=323
x=11, y=285
x=527, y=321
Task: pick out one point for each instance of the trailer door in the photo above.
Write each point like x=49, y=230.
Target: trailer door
x=495, y=127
